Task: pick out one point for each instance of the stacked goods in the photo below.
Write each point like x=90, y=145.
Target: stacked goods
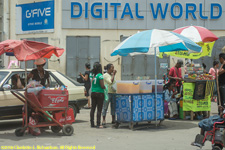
x=145, y=86
x=205, y=77
x=160, y=85
x=139, y=86
x=194, y=69
x=128, y=87
x=195, y=72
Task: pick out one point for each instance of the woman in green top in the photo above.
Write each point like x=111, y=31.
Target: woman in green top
x=97, y=94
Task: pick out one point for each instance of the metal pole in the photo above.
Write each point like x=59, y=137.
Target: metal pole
x=25, y=73
x=155, y=89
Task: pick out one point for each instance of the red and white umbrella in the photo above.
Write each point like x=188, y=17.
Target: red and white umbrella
x=197, y=34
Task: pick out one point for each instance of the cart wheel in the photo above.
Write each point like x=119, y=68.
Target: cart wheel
x=217, y=148
x=67, y=130
x=19, y=131
x=117, y=125
x=56, y=129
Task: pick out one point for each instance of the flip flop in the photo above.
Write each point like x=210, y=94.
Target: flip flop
x=100, y=127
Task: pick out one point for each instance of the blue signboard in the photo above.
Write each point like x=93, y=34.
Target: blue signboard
x=37, y=16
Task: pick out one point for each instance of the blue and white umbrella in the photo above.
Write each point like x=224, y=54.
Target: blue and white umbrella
x=153, y=41
x=147, y=41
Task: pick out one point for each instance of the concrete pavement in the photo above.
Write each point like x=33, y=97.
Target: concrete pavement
x=171, y=135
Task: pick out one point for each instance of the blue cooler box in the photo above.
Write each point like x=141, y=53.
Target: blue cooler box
x=139, y=107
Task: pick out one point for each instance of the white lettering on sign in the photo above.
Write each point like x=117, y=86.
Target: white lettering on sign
x=56, y=99
x=38, y=12
x=68, y=118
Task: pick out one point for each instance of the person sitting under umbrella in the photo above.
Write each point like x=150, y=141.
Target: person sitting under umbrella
x=39, y=74
x=16, y=82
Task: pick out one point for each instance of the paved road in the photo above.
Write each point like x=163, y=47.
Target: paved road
x=171, y=135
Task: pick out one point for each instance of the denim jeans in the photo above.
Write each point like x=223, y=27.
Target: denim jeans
x=111, y=100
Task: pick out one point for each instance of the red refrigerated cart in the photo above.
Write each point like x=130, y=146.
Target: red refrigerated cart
x=53, y=101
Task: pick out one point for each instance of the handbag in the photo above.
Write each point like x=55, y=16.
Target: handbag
x=114, y=87
x=106, y=93
x=80, y=79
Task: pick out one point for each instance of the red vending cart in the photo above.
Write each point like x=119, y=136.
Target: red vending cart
x=51, y=106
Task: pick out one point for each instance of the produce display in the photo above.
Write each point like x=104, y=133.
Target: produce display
x=195, y=71
x=204, y=77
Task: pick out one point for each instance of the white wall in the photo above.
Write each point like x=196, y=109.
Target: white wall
x=109, y=38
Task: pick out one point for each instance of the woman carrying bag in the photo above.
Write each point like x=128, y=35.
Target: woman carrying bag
x=87, y=83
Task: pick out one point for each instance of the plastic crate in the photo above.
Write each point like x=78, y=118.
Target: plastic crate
x=53, y=98
x=60, y=116
x=160, y=85
x=145, y=86
x=128, y=87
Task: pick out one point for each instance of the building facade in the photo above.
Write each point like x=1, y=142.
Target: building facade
x=1, y=30
x=90, y=30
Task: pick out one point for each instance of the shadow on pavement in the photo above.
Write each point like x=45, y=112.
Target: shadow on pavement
x=165, y=125
x=47, y=134
x=8, y=127
x=10, y=124
x=80, y=121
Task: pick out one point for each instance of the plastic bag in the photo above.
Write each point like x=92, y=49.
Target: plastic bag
x=114, y=87
x=47, y=116
x=34, y=90
x=34, y=87
x=34, y=131
x=33, y=84
x=106, y=93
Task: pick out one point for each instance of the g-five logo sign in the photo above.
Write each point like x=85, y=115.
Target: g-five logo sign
x=38, y=16
x=40, y=12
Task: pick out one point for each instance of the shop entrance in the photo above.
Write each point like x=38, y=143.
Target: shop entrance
x=81, y=50
x=143, y=66
x=30, y=64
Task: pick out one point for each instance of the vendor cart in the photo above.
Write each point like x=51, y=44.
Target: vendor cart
x=197, y=97
x=53, y=101
x=134, y=108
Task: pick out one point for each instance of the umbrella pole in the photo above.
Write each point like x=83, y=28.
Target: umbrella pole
x=25, y=73
x=155, y=89
x=26, y=104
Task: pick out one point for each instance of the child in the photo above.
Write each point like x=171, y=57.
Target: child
x=170, y=98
